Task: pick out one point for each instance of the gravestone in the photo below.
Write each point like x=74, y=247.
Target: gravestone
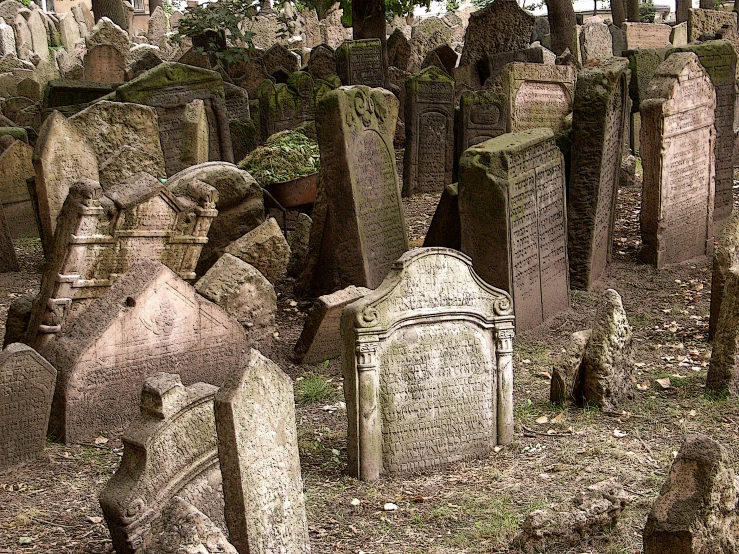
x=265, y=248
x=39, y=38
x=194, y=149
x=596, y=42
x=496, y=63
x=705, y=23
x=321, y=336
x=158, y=25
x=427, y=364
x=8, y=259
x=398, y=50
x=109, y=31
x=355, y=127
x=723, y=373
x=169, y=88
x=284, y=106
x=104, y=63
x=598, y=127
x=429, y=132
x=724, y=257
x=260, y=464
x=16, y=166
x=277, y=57
x=322, y=62
x=538, y=95
x=677, y=150
x=643, y=63
x=444, y=229
x=170, y=449
x=513, y=221
x=444, y=57
x=429, y=34
x=69, y=30
x=646, y=35
x=28, y=387
x=359, y=62
x=482, y=115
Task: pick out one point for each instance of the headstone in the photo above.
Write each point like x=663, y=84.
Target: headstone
x=679, y=34
x=16, y=166
x=696, y=510
x=723, y=373
x=113, y=10
x=429, y=128
x=286, y=106
x=355, y=128
x=299, y=245
x=677, y=150
x=646, y=35
x=444, y=57
x=23, y=37
x=426, y=36
x=242, y=290
x=427, y=363
x=174, y=20
x=482, y=115
x=513, y=220
x=278, y=57
x=7, y=40
x=265, y=248
x=725, y=255
x=703, y=24
x=596, y=42
x=538, y=95
x=106, y=31
x=444, y=229
x=258, y=449
x=39, y=39
x=158, y=25
x=359, y=62
x=321, y=336
x=598, y=125
x=170, y=449
x=399, y=50
x=618, y=39
x=643, y=63
x=104, y=63
x=496, y=62
x=28, y=387
x=194, y=148
x=322, y=63
x=566, y=384
x=254, y=74
x=124, y=163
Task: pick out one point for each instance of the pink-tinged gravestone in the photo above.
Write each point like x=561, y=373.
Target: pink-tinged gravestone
x=149, y=321
x=513, y=221
x=260, y=464
x=428, y=370
x=104, y=63
x=356, y=126
x=16, y=166
x=677, y=140
x=27, y=385
x=646, y=35
x=170, y=449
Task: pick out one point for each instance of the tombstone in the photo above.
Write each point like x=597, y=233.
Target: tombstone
x=677, y=150
x=320, y=339
x=194, y=148
x=719, y=59
x=444, y=229
x=23, y=37
x=723, y=376
x=703, y=24
x=158, y=25
x=500, y=27
x=646, y=35
x=429, y=132
x=170, y=449
x=724, y=257
x=278, y=57
x=286, y=106
x=643, y=63
x=39, y=38
x=265, y=248
x=495, y=63
x=513, y=221
x=113, y=10
x=482, y=115
x=355, y=128
x=16, y=165
x=28, y=387
x=427, y=364
x=124, y=163
x=399, y=50
x=538, y=95
x=106, y=31
x=596, y=42
x=359, y=62
x=429, y=34
x=260, y=464
x=254, y=74
x=444, y=57
x=598, y=126
x=322, y=63
x=104, y=63
x=169, y=88
x=7, y=40
x=679, y=34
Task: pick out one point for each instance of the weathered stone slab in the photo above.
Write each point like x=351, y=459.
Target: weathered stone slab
x=538, y=95
x=677, y=150
x=513, y=220
x=601, y=109
x=104, y=63
x=321, y=336
x=703, y=24
x=497, y=62
x=355, y=128
x=566, y=385
x=429, y=34
x=428, y=371
x=284, y=106
x=399, y=50
x=642, y=64
x=8, y=259
x=70, y=32
x=725, y=255
x=16, y=166
x=723, y=373
x=28, y=387
x=258, y=449
x=265, y=248
x=646, y=35
x=194, y=146
x=445, y=229
x=39, y=38
x=482, y=115
x=596, y=42
x=299, y=245
x=359, y=62
x=679, y=34
x=108, y=31
x=429, y=132
x=170, y=449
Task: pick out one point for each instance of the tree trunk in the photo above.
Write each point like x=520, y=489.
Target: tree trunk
x=618, y=12
x=561, y=24
x=633, y=10
x=153, y=5
x=368, y=21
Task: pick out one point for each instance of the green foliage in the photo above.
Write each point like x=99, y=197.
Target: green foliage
x=452, y=6
x=313, y=389
x=286, y=155
x=26, y=3
x=647, y=12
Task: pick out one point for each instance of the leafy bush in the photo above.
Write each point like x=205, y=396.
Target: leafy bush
x=286, y=155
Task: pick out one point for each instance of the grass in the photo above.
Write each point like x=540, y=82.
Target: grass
x=314, y=389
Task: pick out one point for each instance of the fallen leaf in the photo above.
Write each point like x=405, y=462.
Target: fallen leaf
x=526, y=361
x=558, y=418
x=100, y=440
x=497, y=449
x=551, y=431
x=390, y=507
x=643, y=386
x=94, y=519
x=619, y=434
x=25, y=540
x=542, y=420
x=664, y=383
x=692, y=413
x=698, y=287
x=355, y=502
x=544, y=374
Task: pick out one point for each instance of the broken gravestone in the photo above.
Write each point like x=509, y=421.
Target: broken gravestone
x=725, y=255
x=265, y=248
x=723, y=373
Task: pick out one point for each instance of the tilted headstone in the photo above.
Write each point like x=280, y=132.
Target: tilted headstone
x=104, y=63
x=258, y=450
x=170, y=449
x=399, y=50
x=723, y=373
x=482, y=115
x=113, y=10
x=359, y=62
x=643, y=63
x=355, y=128
x=28, y=387
x=278, y=57
x=158, y=25
x=108, y=31
x=677, y=151
x=645, y=35
x=444, y=57
x=427, y=35
x=538, y=95
x=265, y=248
x=513, y=220
x=428, y=370
x=16, y=166
x=725, y=256
x=39, y=38
x=598, y=126
x=194, y=145
x=596, y=42
x=429, y=132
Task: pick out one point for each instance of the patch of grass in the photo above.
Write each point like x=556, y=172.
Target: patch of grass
x=27, y=241
x=537, y=353
x=313, y=389
x=494, y=523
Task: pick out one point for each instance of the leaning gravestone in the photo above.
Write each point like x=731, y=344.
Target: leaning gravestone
x=646, y=35
x=513, y=221
x=598, y=124
x=482, y=115
x=258, y=450
x=359, y=62
x=170, y=449
x=16, y=166
x=428, y=370
x=677, y=138
x=444, y=229
x=356, y=126
x=28, y=387
x=104, y=63
x=284, y=106
x=429, y=132
x=538, y=95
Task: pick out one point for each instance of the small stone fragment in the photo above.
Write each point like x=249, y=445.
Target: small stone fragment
x=265, y=248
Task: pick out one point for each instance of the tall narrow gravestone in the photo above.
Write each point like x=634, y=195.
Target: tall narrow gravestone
x=598, y=124
x=356, y=126
x=429, y=131
x=359, y=62
x=428, y=370
x=258, y=450
x=483, y=115
x=27, y=382
x=513, y=220
x=677, y=138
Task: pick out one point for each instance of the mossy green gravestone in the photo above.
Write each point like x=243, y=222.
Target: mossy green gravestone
x=356, y=126
x=429, y=132
x=359, y=62
x=598, y=125
x=284, y=106
x=677, y=138
x=513, y=221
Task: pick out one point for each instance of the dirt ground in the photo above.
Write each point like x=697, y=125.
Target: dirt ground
x=471, y=507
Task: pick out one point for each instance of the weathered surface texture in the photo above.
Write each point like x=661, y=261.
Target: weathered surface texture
x=265, y=248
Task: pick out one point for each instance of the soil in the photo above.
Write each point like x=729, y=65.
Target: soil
x=472, y=507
